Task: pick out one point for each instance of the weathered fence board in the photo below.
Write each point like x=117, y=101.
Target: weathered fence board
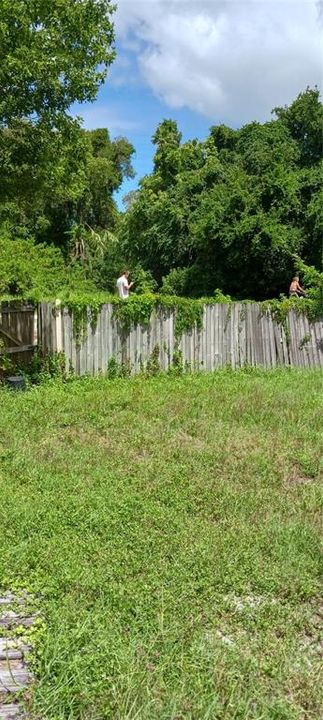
x=235, y=335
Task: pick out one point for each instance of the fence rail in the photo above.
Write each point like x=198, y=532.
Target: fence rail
x=232, y=334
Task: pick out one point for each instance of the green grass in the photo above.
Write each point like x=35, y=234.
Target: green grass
x=172, y=526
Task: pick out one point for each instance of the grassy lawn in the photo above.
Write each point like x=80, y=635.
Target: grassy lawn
x=172, y=526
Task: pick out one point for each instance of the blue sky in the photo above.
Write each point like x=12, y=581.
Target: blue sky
x=204, y=62
x=135, y=112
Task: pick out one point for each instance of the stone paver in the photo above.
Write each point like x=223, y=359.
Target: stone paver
x=14, y=674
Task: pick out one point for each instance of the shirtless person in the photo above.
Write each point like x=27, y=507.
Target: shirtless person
x=295, y=290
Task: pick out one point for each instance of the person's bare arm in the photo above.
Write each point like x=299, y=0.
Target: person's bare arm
x=300, y=288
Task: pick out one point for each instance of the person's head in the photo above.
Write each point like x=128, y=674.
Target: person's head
x=126, y=273
x=296, y=278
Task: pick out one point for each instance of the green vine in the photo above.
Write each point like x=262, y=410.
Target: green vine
x=306, y=339
x=138, y=309
x=279, y=310
x=188, y=314
x=153, y=365
x=85, y=310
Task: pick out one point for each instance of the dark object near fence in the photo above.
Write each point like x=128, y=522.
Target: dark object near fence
x=16, y=382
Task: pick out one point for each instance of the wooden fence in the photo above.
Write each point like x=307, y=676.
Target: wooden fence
x=235, y=335
x=18, y=331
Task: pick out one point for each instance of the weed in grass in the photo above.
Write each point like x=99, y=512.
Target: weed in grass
x=172, y=526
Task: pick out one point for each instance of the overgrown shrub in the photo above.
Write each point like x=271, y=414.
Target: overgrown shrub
x=37, y=272
x=45, y=366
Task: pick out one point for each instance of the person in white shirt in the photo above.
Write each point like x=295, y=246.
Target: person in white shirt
x=123, y=286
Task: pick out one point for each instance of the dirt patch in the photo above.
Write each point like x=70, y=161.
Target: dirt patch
x=295, y=478
x=312, y=636
x=248, y=602
x=74, y=436
x=89, y=436
x=183, y=440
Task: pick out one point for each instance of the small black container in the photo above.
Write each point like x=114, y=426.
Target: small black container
x=16, y=382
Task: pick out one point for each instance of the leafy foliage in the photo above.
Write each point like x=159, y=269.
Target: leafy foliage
x=231, y=212
x=52, y=54
x=108, y=164
x=54, y=174
x=37, y=272
x=304, y=120
x=58, y=186
x=45, y=367
x=43, y=175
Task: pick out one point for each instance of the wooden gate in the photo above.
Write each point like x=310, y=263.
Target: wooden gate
x=18, y=332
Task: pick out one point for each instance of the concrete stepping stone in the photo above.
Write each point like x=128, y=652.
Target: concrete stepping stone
x=10, y=712
x=13, y=649
x=12, y=619
x=10, y=598
x=14, y=673
x=14, y=676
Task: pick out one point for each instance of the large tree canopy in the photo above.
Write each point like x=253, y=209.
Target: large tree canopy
x=51, y=55
x=39, y=167
x=54, y=174
x=57, y=180
x=304, y=120
x=231, y=212
x=52, y=180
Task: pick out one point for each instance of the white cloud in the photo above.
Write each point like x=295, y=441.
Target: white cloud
x=103, y=116
x=232, y=60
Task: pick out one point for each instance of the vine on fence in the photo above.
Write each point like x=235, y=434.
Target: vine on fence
x=138, y=309
x=134, y=311
x=188, y=314
x=85, y=309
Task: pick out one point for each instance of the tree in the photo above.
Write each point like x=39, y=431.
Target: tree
x=51, y=55
x=41, y=168
x=37, y=271
x=167, y=139
x=51, y=180
x=311, y=196
x=109, y=162
x=304, y=120
x=233, y=211
x=92, y=215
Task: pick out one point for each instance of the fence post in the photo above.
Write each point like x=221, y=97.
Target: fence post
x=36, y=321
x=59, y=327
